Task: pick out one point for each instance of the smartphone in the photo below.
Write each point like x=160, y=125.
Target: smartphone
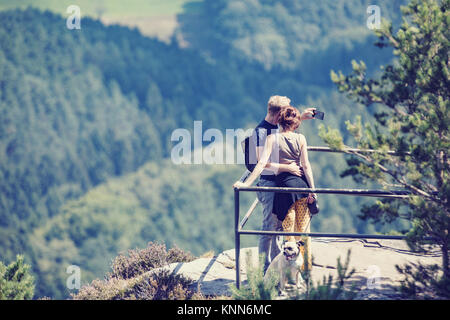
x=318, y=114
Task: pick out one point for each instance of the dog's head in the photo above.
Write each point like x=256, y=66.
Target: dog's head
x=291, y=249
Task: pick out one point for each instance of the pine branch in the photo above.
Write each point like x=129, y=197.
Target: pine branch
x=393, y=174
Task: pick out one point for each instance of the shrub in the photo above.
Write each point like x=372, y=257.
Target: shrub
x=130, y=278
x=423, y=282
x=327, y=289
x=257, y=288
x=161, y=285
x=260, y=289
x=16, y=282
x=137, y=262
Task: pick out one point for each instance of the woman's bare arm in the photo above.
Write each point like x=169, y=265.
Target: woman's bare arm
x=305, y=163
x=262, y=162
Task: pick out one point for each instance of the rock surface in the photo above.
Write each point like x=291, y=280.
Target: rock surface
x=374, y=263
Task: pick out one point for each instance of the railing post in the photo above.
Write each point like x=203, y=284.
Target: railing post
x=237, y=238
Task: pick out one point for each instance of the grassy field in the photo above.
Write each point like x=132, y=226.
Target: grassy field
x=110, y=8
x=152, y=17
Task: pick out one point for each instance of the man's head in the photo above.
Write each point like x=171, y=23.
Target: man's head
x=274, y=106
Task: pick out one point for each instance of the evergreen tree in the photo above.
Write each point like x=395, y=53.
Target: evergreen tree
x=16, y=282
x=412, y=118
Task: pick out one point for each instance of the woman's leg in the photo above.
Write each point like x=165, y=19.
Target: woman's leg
x=289, y=223
x=302, y=224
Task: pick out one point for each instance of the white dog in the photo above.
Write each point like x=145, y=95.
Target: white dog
x=287, y=265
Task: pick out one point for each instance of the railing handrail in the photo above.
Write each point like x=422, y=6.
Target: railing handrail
x=329, y=235
x=350, y=150
x=355, y=192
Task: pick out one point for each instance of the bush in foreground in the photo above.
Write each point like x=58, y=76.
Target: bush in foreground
x=136, y=262
x=258, y=288
x=133, y=277
x=16, y=282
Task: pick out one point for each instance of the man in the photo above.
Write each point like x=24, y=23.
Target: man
x=268, y=244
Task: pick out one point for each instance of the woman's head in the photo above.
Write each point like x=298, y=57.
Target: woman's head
x=290, y=118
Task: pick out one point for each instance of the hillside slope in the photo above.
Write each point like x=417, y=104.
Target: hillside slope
x=81, y=107
x=299, y=35
x=190, y=206
x=78, y=107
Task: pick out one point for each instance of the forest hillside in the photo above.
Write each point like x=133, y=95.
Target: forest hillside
x=86, y=118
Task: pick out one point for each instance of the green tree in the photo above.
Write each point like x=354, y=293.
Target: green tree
x=16, y=282
x=412, y=118
x=330, y=289
x=257, y=287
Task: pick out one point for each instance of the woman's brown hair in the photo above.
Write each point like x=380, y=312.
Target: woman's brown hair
x=290, y=118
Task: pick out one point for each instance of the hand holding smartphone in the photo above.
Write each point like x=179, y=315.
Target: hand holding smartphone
x=318, y=115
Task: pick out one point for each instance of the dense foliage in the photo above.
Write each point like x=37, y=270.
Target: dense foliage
x=309, y=36
x=413, y=121
x=79, y=107
x=16, y=281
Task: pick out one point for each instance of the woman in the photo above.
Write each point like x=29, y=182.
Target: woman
x=291, y=208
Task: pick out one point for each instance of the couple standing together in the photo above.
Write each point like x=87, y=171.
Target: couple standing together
x=282, y=162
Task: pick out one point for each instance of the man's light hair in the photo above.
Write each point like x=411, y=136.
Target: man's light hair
x=276, y=103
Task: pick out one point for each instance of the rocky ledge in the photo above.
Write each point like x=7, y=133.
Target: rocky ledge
x=374, y=262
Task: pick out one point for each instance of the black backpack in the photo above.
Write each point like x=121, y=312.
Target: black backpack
x=249, y=149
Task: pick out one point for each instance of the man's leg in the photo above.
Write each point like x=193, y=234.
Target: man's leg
x=268, y=244
x=277, y=241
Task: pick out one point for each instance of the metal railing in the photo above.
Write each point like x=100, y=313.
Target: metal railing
x=239, y=225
